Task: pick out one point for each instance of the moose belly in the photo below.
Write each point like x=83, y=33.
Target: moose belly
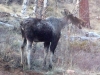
x=42, y=38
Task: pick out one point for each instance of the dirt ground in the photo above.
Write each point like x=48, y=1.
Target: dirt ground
x=83, y=57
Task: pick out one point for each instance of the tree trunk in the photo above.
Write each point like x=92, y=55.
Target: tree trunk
x=44, y=8
x=45, y=3
x=39, y=5
x=40, y=12
x=84, y=11
x=24, y=7
x=35, y=7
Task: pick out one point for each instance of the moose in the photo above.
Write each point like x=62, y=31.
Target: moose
x=47, y=31
x=77, y=21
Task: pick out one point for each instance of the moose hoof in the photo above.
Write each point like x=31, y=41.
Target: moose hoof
x=50, y=67
x=21, y=65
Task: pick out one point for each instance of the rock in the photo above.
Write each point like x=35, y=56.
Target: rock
x=92, y=34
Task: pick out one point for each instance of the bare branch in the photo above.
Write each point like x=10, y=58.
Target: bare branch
x=6, y=24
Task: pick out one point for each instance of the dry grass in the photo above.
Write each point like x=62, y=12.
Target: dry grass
x=83, y=57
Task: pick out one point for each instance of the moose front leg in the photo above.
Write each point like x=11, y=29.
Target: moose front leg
x=52, y=50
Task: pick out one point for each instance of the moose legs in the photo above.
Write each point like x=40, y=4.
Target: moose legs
x=46, y=47
x=28, y=52
x=52, y=50
x=52, y=45
x=22, y=49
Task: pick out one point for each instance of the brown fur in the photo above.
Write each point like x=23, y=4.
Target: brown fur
x=75, y=20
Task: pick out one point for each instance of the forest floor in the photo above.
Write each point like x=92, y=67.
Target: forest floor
x=78, y=57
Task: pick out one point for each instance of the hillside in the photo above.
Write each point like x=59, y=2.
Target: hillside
x=81, y=57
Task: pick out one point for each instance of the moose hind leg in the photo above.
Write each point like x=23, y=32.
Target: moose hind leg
x=22, y=50
x=28, y=52
x=46, y=46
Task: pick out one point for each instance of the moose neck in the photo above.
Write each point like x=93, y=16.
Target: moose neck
x=73, y=19
x=64, y=21
x=57, y=22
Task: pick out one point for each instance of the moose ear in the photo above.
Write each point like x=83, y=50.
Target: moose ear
x=67, y=12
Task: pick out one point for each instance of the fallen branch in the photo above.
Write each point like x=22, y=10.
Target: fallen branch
x=92, y=34
x=6, y=24
x=83, y=38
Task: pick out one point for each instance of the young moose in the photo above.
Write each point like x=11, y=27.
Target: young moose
x=47, y=31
